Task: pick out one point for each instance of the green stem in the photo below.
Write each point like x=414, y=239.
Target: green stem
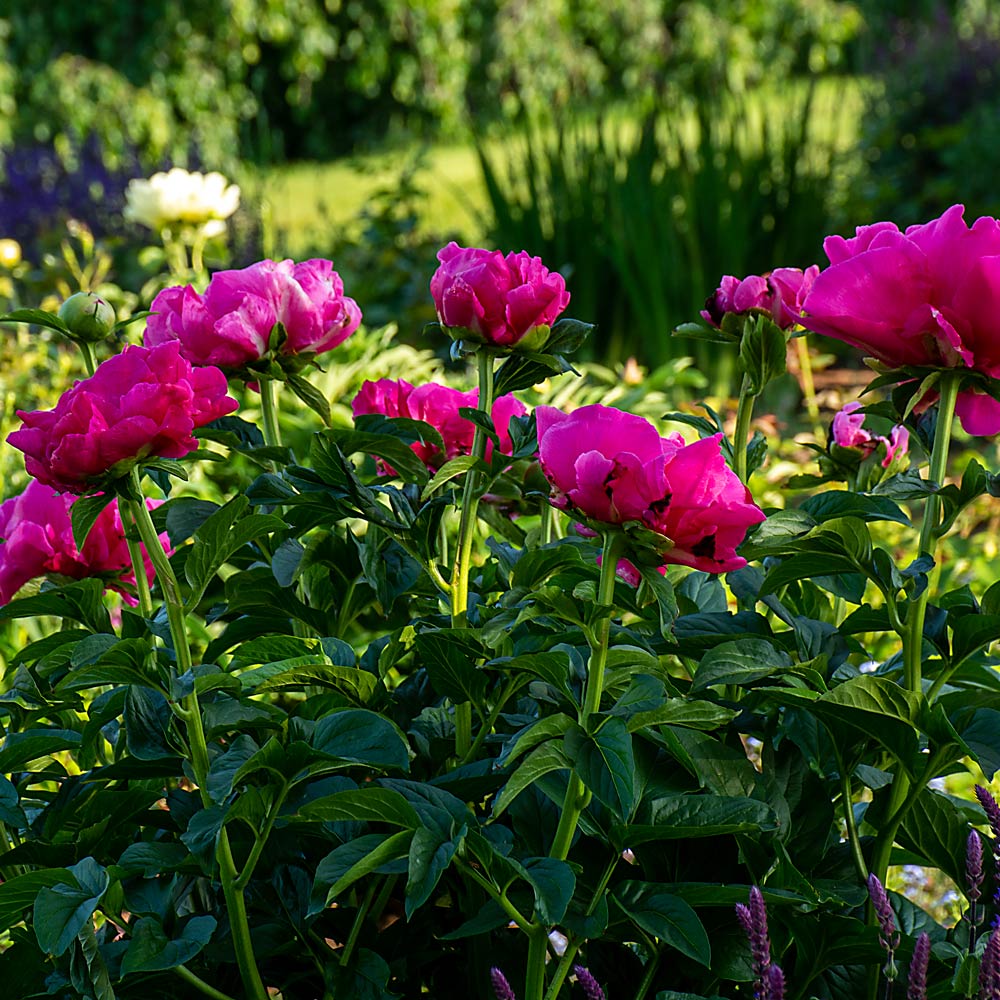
x=494, y=893
x=359, y=919
x=852, y=827
x=545, y=524
x=538, y=948
x=261, y=841
x=808, y=385
x=190, y=713
x=88, y=356
x=269, y=412
x=199, y=984
x=576, y=793
x=470, y=499
x=238, y=922
x=510, y=687
x=138, y=563
x=744, y=413
x=913, y=638
x=466, y=534
x=647, y=977
x=563, y=969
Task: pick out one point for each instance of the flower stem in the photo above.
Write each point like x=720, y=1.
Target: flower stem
x=914, y=636
x=190, y=713
x=466, y=533
x=138, y=563
x=538, y=947
x=470, y=499
x=199, y=984
x=808, y=385
x=269, y=412
x=88, y=356
x=744, y=412
x=577, y=795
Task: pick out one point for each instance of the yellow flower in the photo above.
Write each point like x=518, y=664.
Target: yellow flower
x=10, y=253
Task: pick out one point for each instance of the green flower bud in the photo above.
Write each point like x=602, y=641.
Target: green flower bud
x=88, y=317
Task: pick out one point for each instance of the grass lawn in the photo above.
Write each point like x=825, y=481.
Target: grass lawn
x=310, y=198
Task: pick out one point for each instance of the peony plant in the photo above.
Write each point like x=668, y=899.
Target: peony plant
x=477, y=696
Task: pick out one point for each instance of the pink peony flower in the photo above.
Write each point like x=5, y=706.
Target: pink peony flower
x=142, y=403
x=498, y=299
x=36, y=538
x=779, y=293
x=230, y=325
x=437, y=405
x=926, y=297
x=614, y=467
x=847, y=431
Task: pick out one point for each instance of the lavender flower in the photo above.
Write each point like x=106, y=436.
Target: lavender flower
x=591, y=988
x=973, y=866
x=501, y=988
x=989, y=968
x=888, y=934
x=916, y=988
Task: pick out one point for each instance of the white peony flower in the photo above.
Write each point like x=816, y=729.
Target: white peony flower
x=193, y=199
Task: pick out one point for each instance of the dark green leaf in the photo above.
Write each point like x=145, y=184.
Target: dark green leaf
x=62, y=910
x=665, y=917
x=84, y=512
x=150, y=950
x=741, y=662
x=361, y=737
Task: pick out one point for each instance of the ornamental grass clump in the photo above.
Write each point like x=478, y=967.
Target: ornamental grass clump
x=475, y=682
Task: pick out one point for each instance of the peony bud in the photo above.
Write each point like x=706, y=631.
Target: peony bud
x=88, y=317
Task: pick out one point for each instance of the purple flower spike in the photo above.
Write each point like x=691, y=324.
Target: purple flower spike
x=591, y=988
x=753, y=920
x=989, y=969
x=917, y=987
x=990, y=807
x=774, y=981
x=888, y=934
x=501, y=988
x=973, y=866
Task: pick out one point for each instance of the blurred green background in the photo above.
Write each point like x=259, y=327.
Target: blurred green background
x=642, y=147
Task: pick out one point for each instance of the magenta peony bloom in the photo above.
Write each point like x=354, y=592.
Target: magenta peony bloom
x=926, y=297
x=498, y=299
x=36, y=538
x=614, y=467
x=848, y=428
x=779, y=293
x=230, y=325
x=848, y=431
x=142, y=403
x=437, y=405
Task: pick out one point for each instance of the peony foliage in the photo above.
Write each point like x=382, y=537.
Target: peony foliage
x=467, y=691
